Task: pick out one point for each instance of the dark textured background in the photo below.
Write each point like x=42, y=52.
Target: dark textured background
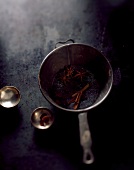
x=29, y=30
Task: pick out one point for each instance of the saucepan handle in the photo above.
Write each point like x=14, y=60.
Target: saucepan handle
x=64, y=42
x=85, y=138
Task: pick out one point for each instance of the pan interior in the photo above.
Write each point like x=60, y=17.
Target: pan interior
x=74, y=87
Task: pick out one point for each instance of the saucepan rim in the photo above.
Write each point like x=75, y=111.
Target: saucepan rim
x=49, y=99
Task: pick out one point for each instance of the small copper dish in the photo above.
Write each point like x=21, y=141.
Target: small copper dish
x=9, y=96
x=42, y=118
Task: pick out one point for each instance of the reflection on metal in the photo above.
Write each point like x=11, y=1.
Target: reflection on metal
x=9, y=96
x=42, y=118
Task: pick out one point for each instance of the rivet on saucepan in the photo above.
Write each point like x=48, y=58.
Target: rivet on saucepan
x=42, y=118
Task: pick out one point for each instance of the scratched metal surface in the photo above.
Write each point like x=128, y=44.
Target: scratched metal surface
x=29, y=30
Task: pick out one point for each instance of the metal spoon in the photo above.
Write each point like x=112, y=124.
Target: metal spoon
x=42, y=118
x=9, y=96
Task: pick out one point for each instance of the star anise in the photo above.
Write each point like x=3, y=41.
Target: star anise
x=80, y=74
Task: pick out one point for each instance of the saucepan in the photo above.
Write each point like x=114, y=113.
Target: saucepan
x=77, y=55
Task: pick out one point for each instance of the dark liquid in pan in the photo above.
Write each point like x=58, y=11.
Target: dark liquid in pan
x=70, y=80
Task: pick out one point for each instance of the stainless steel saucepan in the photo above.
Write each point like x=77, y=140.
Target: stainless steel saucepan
x=86, y=56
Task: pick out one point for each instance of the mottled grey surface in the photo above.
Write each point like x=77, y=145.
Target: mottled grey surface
x=29, y=30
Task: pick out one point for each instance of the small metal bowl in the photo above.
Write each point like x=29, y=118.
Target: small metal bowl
x=42, y=118
x=9, y=96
